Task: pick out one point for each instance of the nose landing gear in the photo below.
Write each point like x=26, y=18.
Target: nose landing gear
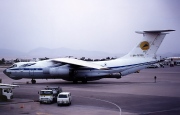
x=33, y=81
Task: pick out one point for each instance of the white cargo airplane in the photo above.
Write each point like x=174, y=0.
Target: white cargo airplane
x=75, y=70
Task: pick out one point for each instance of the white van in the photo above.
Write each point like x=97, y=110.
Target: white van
x=64, y=98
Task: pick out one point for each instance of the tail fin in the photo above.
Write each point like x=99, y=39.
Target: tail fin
x=149, y=45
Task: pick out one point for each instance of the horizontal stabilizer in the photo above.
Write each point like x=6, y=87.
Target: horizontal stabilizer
x=153, y=31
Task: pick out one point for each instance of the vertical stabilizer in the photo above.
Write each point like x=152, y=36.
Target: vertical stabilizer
x=150, y=43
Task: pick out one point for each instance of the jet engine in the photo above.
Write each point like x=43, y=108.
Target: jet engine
x=57, y=71
x=115, y=75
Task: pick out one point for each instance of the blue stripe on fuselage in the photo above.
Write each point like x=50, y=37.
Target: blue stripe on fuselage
x=26, y=69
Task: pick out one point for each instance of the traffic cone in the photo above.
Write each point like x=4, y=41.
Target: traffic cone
x=22, y=106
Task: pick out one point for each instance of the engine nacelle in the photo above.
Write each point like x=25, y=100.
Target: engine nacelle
x=46, y=70
x=59, y=71
x=116, y=75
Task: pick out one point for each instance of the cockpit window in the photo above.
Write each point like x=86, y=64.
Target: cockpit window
x=14, y=65
x=28, y=64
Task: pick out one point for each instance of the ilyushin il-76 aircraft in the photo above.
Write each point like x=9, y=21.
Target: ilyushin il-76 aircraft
x=70, y=69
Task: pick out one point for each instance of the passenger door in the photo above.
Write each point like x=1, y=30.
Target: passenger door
x=31, y=72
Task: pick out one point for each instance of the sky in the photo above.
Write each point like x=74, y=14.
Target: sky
x=93, y=25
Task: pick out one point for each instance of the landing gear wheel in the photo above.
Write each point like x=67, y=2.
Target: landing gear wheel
x=84, y=81
x=33, y=81
x=69, y=103
x=75, y=81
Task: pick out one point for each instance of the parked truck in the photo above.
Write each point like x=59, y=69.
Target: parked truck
x=49, y=94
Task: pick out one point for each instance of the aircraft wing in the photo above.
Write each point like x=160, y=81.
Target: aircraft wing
x=82, y=63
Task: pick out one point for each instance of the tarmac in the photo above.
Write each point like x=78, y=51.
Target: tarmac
x=134, y=94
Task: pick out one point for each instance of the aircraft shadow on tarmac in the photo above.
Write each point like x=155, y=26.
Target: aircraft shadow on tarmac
x=80, y=83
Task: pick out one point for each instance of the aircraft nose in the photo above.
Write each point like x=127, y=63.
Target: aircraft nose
x=5, y=72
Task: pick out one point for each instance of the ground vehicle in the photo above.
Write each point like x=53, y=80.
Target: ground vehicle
x=6, y=90
x=153, y=66
x=64, y=98
x=49, y=94
x=178, y=62
x=161, y=65
x=56, y=90
x=46, y=96
x=158, y=65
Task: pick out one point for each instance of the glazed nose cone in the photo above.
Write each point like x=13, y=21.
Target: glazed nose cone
x=5, y=72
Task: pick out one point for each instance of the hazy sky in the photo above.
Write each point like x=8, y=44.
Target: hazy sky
x=94, y=25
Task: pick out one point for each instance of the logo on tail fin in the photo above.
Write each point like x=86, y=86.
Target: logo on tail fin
x=144, y=45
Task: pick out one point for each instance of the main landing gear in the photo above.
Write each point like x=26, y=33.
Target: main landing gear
x=33, y=81
x=75, y=81
x=84, y=81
